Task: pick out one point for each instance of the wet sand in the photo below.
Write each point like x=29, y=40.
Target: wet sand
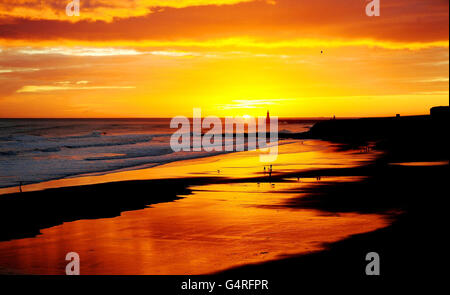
x=102, y=196
x=204, y=222
x=217, y=227
x=411, y=247
x=294, y=155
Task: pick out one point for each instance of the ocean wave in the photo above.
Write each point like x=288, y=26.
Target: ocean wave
x=77, y=147
x=21, y=144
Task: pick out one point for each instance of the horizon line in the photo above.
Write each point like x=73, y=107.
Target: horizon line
x=116, y=118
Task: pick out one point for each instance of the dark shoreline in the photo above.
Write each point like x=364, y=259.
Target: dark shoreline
x=45, y=208
x=412, y=246
x=412, y=196
x=409, y=247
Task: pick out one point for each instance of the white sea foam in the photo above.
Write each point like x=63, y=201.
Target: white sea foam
x=38, y=150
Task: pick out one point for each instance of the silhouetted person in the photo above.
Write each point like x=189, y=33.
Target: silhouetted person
x=20, y=186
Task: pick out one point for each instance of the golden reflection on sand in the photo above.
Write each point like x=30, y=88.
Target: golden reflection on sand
x=422, y=164
x=218, y=227
x=293, y=155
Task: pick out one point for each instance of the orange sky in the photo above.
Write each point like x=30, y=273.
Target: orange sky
x=158, y=58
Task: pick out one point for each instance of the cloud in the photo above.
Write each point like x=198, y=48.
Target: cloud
x=434, y=80
x=85, y=49
x=403, y=22
x=17, y=70
x=47, y=88
x=79, y=51
x=252, y=103
x=174, y=53
x=100, y=51
x=94, y=10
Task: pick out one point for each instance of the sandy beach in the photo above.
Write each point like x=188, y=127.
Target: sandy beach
x=224, y=146
x=323, y=207
x=208, y=220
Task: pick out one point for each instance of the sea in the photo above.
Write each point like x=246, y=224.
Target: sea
x=37, y=150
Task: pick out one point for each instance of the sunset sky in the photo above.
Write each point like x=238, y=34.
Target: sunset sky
x=162, y=58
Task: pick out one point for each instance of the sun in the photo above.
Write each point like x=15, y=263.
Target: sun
x=246, y=116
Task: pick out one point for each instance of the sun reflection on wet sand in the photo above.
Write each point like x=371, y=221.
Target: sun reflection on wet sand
x=293, y=155
x=422, y=164
x=218, y=227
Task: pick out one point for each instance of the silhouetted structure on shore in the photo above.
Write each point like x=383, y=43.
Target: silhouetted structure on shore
x=405, y=135
x=364, y=129
x=442, y=112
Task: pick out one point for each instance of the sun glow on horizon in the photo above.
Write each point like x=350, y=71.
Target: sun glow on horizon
x=228, y=57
